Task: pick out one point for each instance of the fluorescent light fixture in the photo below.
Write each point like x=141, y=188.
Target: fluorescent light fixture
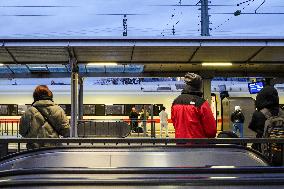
x=38, y=67
x=225, y=177
x=102, y=64
x=216, y=64
x=222, y=167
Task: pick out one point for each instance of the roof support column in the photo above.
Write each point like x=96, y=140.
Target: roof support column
x=74, y=97
x=204, y=18
x=81, y=94
x=207, y=90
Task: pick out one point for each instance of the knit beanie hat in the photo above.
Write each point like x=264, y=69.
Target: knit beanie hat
x=193, y=81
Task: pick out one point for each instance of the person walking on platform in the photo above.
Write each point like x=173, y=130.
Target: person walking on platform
x=238, y=119
x=191, y=114
x=143, y=117
x=133, y=116
x=163, y=121
x=44, y=119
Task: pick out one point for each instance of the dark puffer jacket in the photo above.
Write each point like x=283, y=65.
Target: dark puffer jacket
x=237, y=117
x=33, y=124
x=257, y=123
x=266, y=98
x=192, y=116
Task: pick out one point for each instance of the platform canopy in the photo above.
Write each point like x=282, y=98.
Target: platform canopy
x=147, y=57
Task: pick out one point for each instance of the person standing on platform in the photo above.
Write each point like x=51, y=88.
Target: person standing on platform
x=133, y=116
x=44, y=119
x=143, y=117
x=191, y=114
x=238, y=120
x=163, y=121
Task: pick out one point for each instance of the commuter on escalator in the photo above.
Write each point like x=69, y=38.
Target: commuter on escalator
x=267, y=102
x=238, y=119
x=44, y=119
x=191, y=114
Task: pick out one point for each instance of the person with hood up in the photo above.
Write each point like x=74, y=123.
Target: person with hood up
x=191, y=114
x=44, y=119
x=267, y=102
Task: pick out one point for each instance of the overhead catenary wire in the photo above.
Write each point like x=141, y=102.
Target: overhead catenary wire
x=246, y=3
x=175, y=19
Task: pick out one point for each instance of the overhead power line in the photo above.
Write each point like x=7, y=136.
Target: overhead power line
x=192, y=5
x=34, y=6
x=252, y=13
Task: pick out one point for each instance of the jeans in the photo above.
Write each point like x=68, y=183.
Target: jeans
x=238, y=127
x=144, y=125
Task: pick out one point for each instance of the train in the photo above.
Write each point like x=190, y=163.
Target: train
x=111, y=101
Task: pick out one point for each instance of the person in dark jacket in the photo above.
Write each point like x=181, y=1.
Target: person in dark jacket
x=268, y=99
x=238, y=119
x=133, y=116
x=191, y=114
x=44, y=119
x=144, y=115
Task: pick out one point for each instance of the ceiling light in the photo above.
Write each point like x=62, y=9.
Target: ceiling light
x=217, y=64
x=1, y=64
x=102, y=64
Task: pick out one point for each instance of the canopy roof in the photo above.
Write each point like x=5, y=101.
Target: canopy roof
x=142, y=57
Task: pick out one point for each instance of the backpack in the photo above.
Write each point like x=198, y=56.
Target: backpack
x=273, y=128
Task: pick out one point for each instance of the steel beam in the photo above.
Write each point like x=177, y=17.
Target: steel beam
x=81, y=97
x=74, y=97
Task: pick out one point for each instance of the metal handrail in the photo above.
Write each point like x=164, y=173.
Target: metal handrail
x=144, y=170
x=144, y=140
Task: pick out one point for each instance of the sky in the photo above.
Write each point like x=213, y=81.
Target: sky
x=145, y=18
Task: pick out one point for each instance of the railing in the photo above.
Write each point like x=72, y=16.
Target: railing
x=103, y=128
x=115, y=128
x=9, y=127
x=90, y=128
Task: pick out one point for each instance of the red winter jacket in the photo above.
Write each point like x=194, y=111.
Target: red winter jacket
x=192, y=117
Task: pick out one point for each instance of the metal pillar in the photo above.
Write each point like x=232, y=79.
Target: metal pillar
x=81, y=94
x=153, y=129
x=207, y=90
x=74, y=97
x=204, y=18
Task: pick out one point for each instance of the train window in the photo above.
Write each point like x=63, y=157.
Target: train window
x=22, y=109
x=89, y=109
x=12, y=109
x=100, y=110
x=140, y=106
x=114, y=109
x=66, y=108
x=127, y=109
x=3, y=109
x=157, y=108
x=63, y=106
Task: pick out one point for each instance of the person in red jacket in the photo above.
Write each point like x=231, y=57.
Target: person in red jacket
x=191, y=114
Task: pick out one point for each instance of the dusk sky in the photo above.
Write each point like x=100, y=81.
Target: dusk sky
x=147, y=18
